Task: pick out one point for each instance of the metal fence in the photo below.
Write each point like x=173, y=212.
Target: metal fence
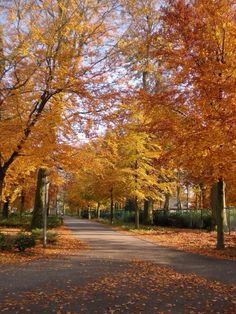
x=192, y=218
x=231, y=218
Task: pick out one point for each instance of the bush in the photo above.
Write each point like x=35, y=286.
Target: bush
x=6, y=242
x=54, y=221
x=14, y=220
x=24, y=241
x=183, y=218
x=52, y=236
x=37, y=234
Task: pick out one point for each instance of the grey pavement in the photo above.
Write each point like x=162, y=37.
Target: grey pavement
x=104, y=280
x=107, y=243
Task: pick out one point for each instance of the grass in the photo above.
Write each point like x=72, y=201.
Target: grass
x=24, y=221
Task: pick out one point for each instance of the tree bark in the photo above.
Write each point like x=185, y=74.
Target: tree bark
x=79, y=212
x=187, y=194
x=218, y=207
x=167, y=201
x=98, y=210
x=2, y=177
x=89, y=213
x=179, y=204
x=22, y=202
x=213, y=201
x=148, y=212
x=136, y=213
x=5, y=209
x=37, y=218
x=112, y=206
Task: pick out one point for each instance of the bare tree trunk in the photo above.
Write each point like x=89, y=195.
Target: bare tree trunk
x=148, y=212
x=22, y=202
x=98, y=210
x=187, y=192
x=203, y=189
x=197, y=200
x=89, y=213
x=2, y=177
x=37, y=218
x=79, y=212
x=213, y=206
x=5, y=209
x=112, y=206
x=136, y=213
x=179, y=204
x=167, y=201
x=218, y=206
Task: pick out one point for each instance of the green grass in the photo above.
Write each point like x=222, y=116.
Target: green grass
x=24, y=221
x=130, y=226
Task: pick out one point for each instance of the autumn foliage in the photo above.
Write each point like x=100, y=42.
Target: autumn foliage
x=135, y=109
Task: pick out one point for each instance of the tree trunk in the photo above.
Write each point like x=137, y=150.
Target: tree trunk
x=197, y=200
x=203, y=189
x=2, y=177
x=112, y=206
x=167, y=201
x=187, y=194
x=130, y=205
x=136, y=213
x=37, y=218
x=89, y=213
x=98, y=210
x=179, y=204
x=218, y=207
x=22, y=203
x=148, y=212
x=5, y=209
x=213, y=200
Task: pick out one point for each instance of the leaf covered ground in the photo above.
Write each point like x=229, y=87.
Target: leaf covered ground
x=139, y=287
x=67, y=245
x=189, y=240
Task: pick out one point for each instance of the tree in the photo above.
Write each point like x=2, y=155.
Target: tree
x=51, y=58
x=37, y=218
x=198, y=61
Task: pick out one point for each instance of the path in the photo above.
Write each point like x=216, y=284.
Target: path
x=109, y=244
x=103, y=279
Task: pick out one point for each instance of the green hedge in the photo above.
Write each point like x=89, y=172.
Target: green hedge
x=194, y=219
x=54, y=221
x=16, y=221
x=21, y=241
x=52, y=237
x=24, y=241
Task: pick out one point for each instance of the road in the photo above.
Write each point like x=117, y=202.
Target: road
x=109, y=244
x=119, y=273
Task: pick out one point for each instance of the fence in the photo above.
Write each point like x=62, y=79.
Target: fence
x=231, y=218
x=195, y=218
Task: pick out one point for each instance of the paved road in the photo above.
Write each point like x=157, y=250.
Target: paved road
x=109, y=244
x=103, y=279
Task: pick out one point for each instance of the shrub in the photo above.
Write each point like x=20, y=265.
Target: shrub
x=37, y=234
x=24, y=241
x=6, y=242
x=52, y=236
x=15, y=220
x=54, y=221
x=183, y=218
